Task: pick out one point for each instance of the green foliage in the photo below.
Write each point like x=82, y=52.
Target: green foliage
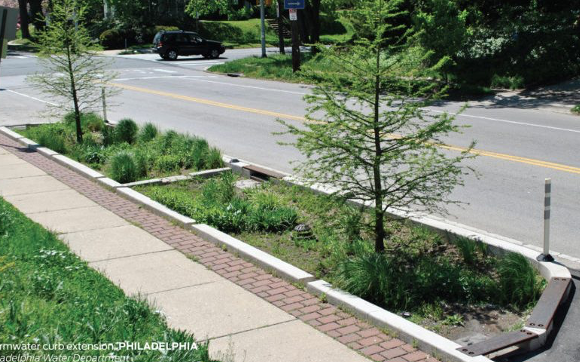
x=53, y=136
x=148, y=132
x=576, y=109
x=213, y=159
x=168, y=163
x=90, y=122
x=71, y=66
x=113, y=38
x=442, y=30
x=126, y=131
x=520, y=286
x=153, y=153
x=370, y=136
x=507, y=82
x=199, y=8
x=123, y=168
x=218, y=205
x=44, y=284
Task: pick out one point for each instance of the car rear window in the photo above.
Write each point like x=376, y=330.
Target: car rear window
x=157, y=38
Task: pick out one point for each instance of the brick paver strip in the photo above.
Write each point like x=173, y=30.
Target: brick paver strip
x=328, y=319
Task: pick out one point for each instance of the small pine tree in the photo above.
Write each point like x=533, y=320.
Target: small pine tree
x=369, y=133
x=73, y=72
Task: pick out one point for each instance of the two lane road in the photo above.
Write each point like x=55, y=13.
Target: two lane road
x=520, y=146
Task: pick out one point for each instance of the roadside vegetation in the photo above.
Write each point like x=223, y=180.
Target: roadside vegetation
x=127, y=152
x=49, y=296
x=418, y=272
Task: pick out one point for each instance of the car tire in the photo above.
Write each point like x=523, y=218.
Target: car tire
x=214, y=53
x=171, y=54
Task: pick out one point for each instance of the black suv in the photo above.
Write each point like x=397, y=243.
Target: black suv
x=171, y=44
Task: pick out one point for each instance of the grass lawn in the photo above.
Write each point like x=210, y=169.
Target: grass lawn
x=340, y=250
x=237, y=33
x=127, y=153
x=49, y=296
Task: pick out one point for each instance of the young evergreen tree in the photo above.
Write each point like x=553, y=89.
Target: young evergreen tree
x=369, y=134
x=72, y=70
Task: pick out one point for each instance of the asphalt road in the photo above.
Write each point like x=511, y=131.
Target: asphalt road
x=522, y=145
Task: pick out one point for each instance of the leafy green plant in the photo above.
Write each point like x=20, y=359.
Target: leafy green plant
x=52, y=136
x=44, y=287
x=123, y=168
x=168, y=163
x=148, y=132
x=520, y=285
x=507, y=82
x=126, y=131
x=576, y=109
x=213, y=159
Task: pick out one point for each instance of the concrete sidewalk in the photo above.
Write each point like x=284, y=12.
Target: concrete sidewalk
x=262, y=317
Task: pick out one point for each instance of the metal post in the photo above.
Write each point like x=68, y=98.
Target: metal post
x=263, y=27
x=104, y=98
x=545, y=256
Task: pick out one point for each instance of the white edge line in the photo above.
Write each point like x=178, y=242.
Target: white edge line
x=31, y=97
x=507, y=121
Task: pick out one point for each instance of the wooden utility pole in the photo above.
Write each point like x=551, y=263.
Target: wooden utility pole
x=281, y=28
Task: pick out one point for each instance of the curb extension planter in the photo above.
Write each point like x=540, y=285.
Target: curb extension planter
x=531, y=337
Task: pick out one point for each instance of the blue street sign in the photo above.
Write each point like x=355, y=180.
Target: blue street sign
x=294, y=4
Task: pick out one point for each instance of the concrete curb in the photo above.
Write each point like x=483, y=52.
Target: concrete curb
x=109, y=183
x=411, y=333
x=408, y=331
x=246, y=251
x=154, y=206
x=10, y=133
x=77, y=167
x=171, y=179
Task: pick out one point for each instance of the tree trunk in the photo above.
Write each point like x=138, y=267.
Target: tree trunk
x=73, y=89
x=22, y=4
x=304, y=38
x=380, y=233
x=37, y=17
x=315, y=24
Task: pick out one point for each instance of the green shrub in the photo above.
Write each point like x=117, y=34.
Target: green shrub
x=53, y=136
x=108, y=134
x=143, y=161
x=123, y=168
x=126, y=131
x=198, y=154
x=90, y=122
x=115, y=38
x=213, y=159
x=92, y=154
x=508, y=82
x=576, y=109
x=168, y=163
x=148, y=132
x=520, y=285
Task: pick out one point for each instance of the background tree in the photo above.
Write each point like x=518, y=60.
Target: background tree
x=23, y=9
x=442, y=30
x=72, y=70
x=369, y=134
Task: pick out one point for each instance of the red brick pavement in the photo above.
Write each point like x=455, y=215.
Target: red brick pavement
x=328, y=319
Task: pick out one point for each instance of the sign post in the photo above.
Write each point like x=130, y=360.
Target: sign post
x=293, y=6
x=8, y=18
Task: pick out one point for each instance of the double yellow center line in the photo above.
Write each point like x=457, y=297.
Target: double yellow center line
x=502, y=156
